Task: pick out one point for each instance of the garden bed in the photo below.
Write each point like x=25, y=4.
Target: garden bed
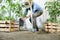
x=52, y=27
x=8, y=25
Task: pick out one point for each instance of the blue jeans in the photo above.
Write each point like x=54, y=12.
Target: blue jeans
x=35, y=15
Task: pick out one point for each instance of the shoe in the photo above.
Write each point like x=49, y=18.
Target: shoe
x=34, y=30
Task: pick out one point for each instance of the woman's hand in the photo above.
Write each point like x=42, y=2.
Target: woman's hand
x=28, y=16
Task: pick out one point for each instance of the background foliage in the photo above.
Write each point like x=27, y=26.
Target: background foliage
x=54, y=10
x=11, y=7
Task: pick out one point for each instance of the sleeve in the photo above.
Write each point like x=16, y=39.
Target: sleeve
x=26, y=11
x=37, y=8
x=34, y=8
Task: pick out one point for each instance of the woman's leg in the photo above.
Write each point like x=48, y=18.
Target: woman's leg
x=35, y=15
x=34, y=24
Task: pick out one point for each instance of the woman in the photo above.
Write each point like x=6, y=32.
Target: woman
x=35, y=11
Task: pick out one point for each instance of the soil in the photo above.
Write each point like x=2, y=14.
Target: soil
x=27, y=35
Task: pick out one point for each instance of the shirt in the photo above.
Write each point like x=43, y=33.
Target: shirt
x=35, y=8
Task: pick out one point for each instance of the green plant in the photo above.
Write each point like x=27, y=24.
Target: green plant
x=54, y=10
x=0, y=1
x=2, y=10
x=12, y=7
x=15, y=7
x=7, y=18
x=0, y=17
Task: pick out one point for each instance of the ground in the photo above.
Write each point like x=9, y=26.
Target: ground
x=26, y=35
